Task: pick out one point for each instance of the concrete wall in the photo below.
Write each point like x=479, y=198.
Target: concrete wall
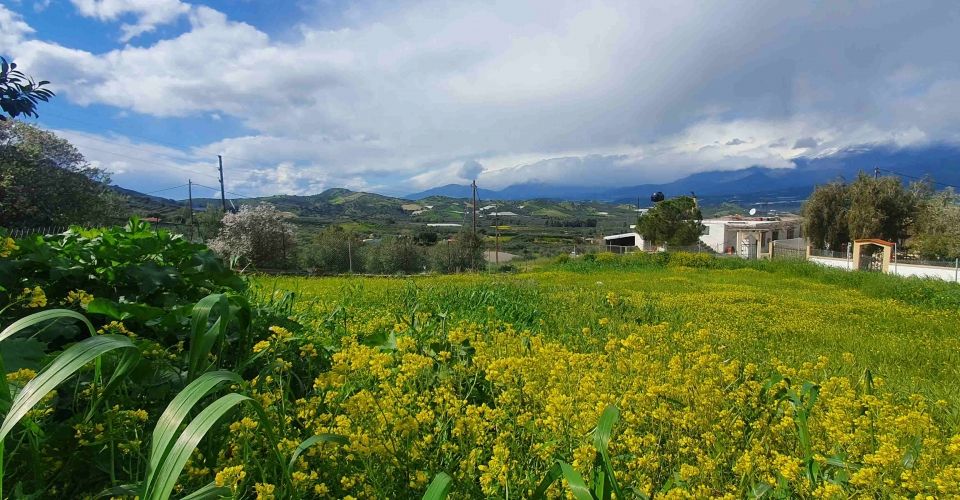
x=943, y=273
x=917, y=270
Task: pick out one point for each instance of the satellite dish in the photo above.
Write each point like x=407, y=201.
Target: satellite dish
x=753, y=211
x=656, y=197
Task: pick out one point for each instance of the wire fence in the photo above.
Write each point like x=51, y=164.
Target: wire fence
x=191, y=232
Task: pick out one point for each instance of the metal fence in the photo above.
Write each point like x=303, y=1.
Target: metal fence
x=795, y=248
x=824, y=252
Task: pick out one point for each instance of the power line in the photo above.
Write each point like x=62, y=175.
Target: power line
x=166, y=189
x=922, y=179
x=238, y=195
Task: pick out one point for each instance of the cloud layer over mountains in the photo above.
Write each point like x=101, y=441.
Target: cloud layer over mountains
x=402, y=96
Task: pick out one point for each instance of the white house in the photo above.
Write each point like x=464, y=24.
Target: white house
x=624, y=241
x=746, y=237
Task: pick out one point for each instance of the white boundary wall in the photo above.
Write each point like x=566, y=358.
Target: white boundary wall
x=917, y=270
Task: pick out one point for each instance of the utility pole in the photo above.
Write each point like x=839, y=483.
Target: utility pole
x=497, y=254
x=474, y=185
x=190, y=203
x=349, y=253
x=223, y=197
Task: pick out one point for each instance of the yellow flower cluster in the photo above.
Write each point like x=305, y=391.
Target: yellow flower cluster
x=230, y=477
x=78, y=297
x=116, y=328
x=34, y=297
x=7, y=247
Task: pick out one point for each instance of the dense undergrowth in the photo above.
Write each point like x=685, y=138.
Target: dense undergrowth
x=670, y=375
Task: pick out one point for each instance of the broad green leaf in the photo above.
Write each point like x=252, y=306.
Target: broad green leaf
x=177, y=411
x=122, y=311
x=164, y=478
x=40, y=317
x=575, y=482
x=202, y=336
x=439, y=488
x=22, y=353
x=601, y=441
x=63, y=366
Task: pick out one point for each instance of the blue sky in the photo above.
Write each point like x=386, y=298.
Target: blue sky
x=395, y=97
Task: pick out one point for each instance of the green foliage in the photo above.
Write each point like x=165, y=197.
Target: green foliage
x=151, y=270
x=461, y=253
x=210, y=220
x=20, y=94
x=867, y=208
x=936, y=231
x=880, y=208
x=604, y=482
x=825, y=215
x=674, y=222
x=45, y=180
x=395, y=255
x=334, y=251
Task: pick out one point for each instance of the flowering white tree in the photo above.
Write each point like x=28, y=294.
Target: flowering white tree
x=258, y=236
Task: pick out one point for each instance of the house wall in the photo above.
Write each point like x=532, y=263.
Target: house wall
x=717, y=237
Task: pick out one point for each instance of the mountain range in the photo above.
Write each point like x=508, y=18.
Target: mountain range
x=939, y=162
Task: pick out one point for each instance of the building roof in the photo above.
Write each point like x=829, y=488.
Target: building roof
x=621, y=235
x=876, y=241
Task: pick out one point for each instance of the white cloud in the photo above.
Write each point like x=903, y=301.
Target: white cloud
x=149, y=13
x=597, y=92
x=12, y=29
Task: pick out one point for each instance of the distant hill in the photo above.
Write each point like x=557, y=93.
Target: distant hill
x=939, y=162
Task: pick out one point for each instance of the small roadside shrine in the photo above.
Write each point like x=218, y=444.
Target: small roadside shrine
x=871, y=254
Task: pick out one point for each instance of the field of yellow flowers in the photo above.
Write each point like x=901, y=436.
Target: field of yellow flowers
x=139, y=366
x=730, y=382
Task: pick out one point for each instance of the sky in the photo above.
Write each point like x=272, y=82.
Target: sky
x=393, y=97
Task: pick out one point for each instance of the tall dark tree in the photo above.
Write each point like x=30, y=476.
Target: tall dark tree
x=334, y=250
x=825, y=215
x=44, y=180
x=674, y=222
x=936, y=229
x=881, y=208
x=20, y=94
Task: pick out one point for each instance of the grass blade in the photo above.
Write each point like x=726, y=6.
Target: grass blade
x=176, y=413
x=202, y=336
x=439, y=488
x=42, y=316
x=601, y=441
x=575, y=482
x=209, y=491
x=310, y=441
x=66, y=364
x=164, y=478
